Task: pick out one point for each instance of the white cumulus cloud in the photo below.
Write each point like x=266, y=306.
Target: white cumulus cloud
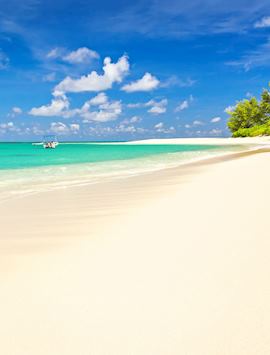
x=176, y=81
x=16, y=110
x=8, y=125
x=215, y=132
x=107, y=111
x=215, y=119
x=197, y=123
x=78, y=56
x=262, y=23
x=59, y=128
x=157, y=107
x=135, y=105
x=81, y=55
x=104, y=109
x=184, y=104
x=133, y=119
x=159, y=127
x=55, y=53
x=59, y=104
x=113, y=73
x=229, y=109
x=99, y=99
x=63, y=129
x=74, y=127
x=147, y=83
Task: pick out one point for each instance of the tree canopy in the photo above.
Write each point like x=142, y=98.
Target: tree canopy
x=251, y=117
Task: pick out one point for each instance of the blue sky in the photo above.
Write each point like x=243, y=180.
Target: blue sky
x=119, y=70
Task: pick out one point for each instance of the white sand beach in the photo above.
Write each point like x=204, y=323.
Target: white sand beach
x=215, y=141
x=172, y=262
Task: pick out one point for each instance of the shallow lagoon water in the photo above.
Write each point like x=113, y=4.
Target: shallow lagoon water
x=27, y=168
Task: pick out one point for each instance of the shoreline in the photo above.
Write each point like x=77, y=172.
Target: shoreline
x=69, y=183
x=202, y=141
x=148, y=185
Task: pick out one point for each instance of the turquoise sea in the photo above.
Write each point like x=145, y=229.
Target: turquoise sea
x=27, y=168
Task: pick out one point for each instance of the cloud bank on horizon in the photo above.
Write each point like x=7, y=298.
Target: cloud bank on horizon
x=128, y=71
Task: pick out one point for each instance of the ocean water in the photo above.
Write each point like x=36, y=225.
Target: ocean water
x=27, y=168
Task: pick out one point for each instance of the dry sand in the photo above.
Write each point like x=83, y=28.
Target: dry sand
x=175, y=262
x=204, y=141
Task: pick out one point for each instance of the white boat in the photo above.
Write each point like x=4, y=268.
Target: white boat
x=50, y=142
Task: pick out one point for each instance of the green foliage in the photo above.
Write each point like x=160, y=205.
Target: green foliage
x=250, y=118
x=259, y=130
x=247, y=113
x=265, y=104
